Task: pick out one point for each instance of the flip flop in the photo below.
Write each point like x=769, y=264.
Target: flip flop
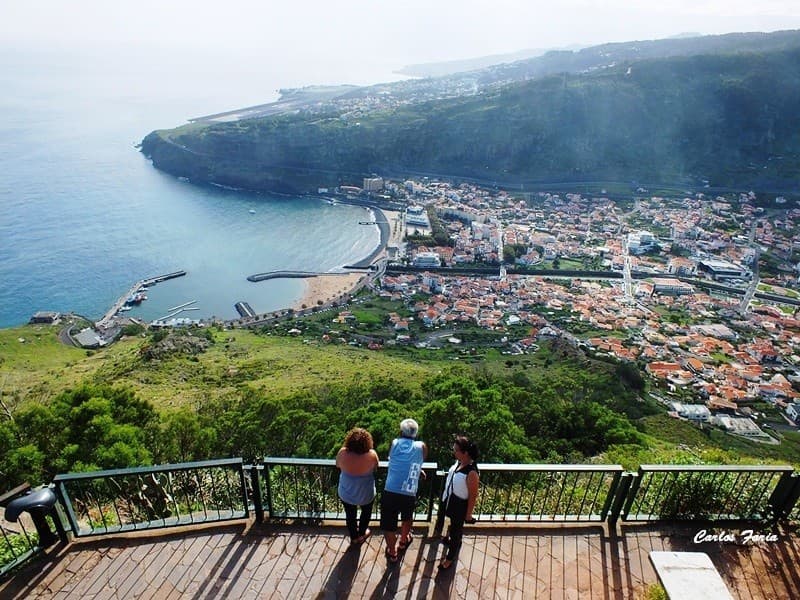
x=401, y=545
x=443, y=567
x=391, y=557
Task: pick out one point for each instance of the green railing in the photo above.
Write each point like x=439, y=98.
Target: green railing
x=143, y=498
x=19, y=540
x=307, y=489
x=546, y=493
x=705, y=492
x=121, y=500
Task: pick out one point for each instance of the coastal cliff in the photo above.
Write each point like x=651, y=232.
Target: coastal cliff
x=730, y=120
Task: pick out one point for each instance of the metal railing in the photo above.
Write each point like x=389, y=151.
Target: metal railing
x=295, y=488
x=706, y=492
x=19, y=540
x=141, y=498
x=545, y=493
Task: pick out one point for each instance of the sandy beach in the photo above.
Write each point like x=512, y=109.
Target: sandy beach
x=329, y=286
x=326, y=288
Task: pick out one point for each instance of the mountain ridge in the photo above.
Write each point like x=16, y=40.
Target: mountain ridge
x=725, y=118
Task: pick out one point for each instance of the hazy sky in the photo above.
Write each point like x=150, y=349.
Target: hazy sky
x=398, y=32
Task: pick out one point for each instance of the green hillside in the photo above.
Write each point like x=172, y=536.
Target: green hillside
x=213, y=393
x=729, y=120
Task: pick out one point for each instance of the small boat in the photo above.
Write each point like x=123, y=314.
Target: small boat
x=136, y=298
x=252, y=211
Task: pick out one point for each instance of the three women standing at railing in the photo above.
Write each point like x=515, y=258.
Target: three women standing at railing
x=460, y=495
x=358, y=462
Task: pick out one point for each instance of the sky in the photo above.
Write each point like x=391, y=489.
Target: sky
x=366, y=31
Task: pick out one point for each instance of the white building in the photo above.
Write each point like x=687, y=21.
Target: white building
x=721, y=269
x=427, y=259
x=793, y=411
x=373, y=184
x=739, y=426
x=416, y=215
x=641, y=242
x=693, y=412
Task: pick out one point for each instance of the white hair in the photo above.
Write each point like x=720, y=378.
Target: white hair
x=409, y=428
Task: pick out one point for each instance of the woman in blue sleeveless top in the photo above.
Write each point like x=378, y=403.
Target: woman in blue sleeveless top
x=358, y=462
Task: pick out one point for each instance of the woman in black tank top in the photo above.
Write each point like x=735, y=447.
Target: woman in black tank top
x=460, y=495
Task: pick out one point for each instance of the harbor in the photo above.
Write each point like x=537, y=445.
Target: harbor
x=135, y=295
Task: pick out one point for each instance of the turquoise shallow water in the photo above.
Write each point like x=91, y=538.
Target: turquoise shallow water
x=85, y=215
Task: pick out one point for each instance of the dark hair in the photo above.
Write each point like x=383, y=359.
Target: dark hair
x=465, y=445
x=358, y=440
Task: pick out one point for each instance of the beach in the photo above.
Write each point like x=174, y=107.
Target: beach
x=326, y=288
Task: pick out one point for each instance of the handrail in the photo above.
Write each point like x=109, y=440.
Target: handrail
x=140, y=498
x=300, y=488
x=708, y=492
x=716, y=468
x=187, y=466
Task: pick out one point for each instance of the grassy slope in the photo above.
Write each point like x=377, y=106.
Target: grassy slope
x=41, y=367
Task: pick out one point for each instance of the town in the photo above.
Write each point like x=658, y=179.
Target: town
x=672, y=284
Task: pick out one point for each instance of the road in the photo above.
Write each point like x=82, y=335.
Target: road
x=751, y=290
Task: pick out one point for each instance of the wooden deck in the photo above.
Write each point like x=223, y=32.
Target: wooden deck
x=243, y=560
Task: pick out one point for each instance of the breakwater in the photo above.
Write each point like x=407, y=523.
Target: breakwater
x=280, y=275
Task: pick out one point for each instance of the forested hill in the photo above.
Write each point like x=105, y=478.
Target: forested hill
x=729, y=119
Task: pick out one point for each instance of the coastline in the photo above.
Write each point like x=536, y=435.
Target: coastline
x=325, y=288
x=328, y=287
x=384, y=231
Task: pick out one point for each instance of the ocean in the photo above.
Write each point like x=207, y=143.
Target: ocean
x=85, y=215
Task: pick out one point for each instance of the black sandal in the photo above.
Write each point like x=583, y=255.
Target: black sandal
x=444, y=567
x=401, y=545
x=392, y=558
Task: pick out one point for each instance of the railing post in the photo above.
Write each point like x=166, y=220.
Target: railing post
x=612, y=492
x=431, y=495
x=624, y=486
x=63, y=497
x=785, y=496
x=438, y=526
x=243, y=488
x=258, y=503
x=268, y=484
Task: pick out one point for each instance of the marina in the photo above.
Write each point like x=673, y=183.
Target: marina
x=135, y=296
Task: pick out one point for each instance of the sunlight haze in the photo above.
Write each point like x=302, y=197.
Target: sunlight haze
x=369, y=31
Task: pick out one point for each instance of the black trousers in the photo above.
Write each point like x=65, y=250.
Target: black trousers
x=357, y=527
x=457, y=511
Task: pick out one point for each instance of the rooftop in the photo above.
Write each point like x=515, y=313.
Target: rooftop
x=246, y=560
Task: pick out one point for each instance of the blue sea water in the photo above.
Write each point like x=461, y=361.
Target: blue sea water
x=84, y=215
